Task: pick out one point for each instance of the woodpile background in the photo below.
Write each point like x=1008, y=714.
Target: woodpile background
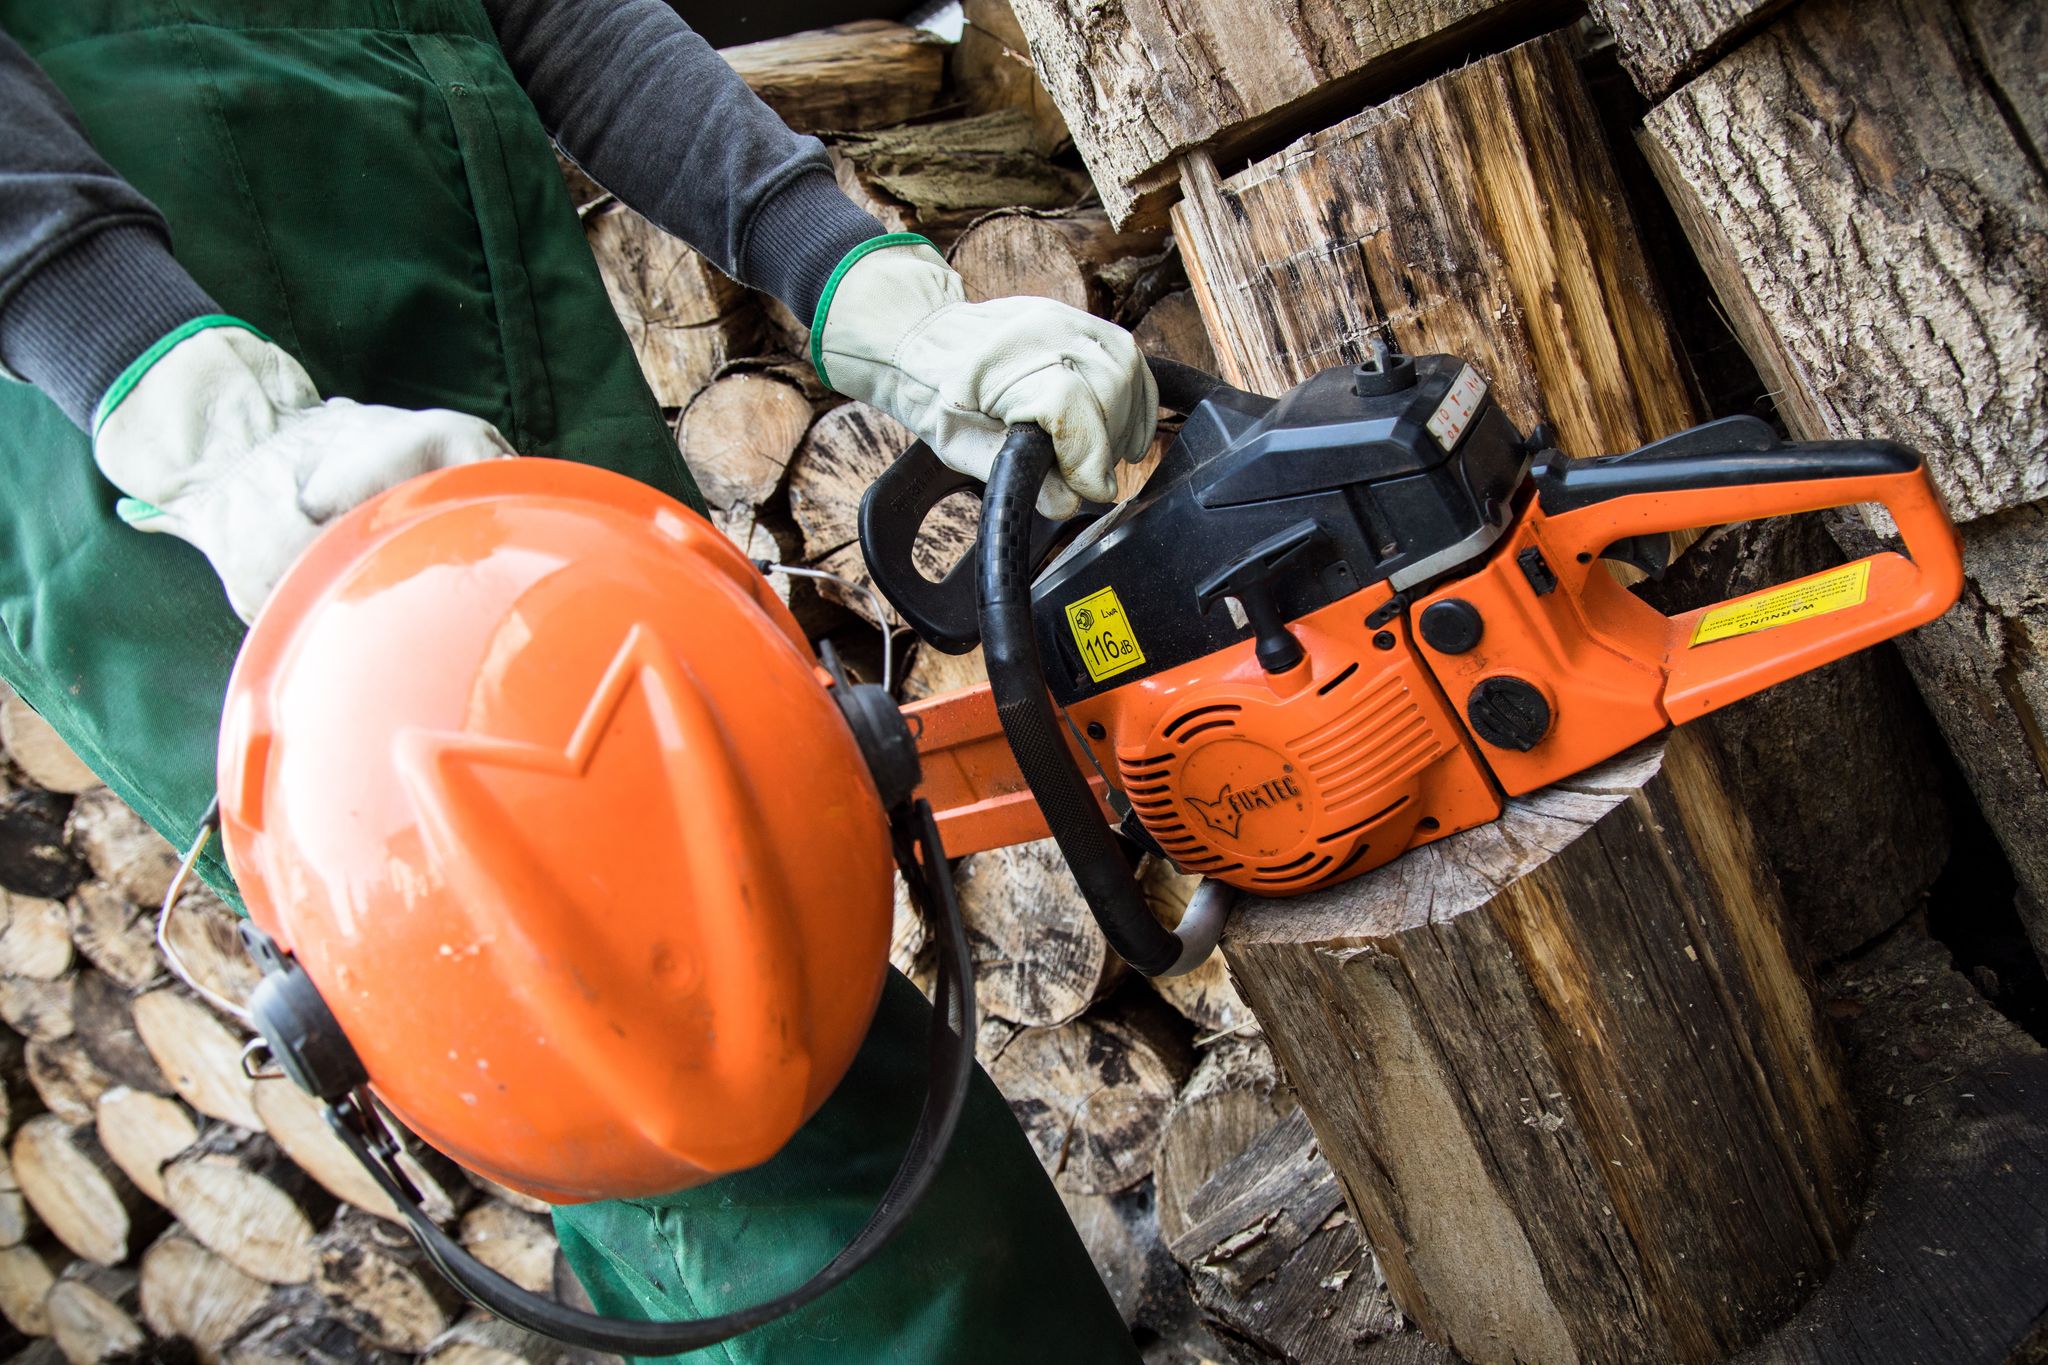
x=1835, y=216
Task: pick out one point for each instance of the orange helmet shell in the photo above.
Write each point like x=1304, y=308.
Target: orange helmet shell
x=542, y=787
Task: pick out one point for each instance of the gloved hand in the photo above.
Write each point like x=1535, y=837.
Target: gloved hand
x=219, y=437
x=894, y=329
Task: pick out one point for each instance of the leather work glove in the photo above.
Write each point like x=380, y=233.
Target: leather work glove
x=219, y=438
x=894, y=329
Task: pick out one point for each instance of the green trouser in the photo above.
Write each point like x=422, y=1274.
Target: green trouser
x=364, y=181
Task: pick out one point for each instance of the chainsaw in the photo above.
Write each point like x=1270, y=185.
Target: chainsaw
x=1345, y=622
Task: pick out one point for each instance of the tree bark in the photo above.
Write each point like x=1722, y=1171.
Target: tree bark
x=297, y=1123
x=197, y=1054
x=1663, y=42
x=103, y=1020
x=66, y=1077
x=1583, y=1114
x=376, y=1279
x=141, y=1132
x=1875, y=224
x=247, y=1203
x=93, y=1312
x=1074, y=257
x=43, y=758
x=34, y=860
x=120, y=847
x=1141, y=82
x=295, y=1333
x=80, y=1194
x=867, y=74
x=115, y=935
x=740, y=431
x=684, y=317
x=206, y=936
x=187, y=1291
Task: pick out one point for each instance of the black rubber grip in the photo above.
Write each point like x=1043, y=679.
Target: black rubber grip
x=1010, y=648
x=1720, y=454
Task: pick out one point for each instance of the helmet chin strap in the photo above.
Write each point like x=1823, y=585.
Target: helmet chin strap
x=924, y=866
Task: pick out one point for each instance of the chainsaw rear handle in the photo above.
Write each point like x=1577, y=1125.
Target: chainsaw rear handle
x=1017, y=681
x=1737, y=470
x=893, y=512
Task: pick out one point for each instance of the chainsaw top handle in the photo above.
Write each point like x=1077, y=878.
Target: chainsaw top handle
x=893, y=511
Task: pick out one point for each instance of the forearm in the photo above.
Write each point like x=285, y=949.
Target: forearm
x=657, y=117
x=87, y=280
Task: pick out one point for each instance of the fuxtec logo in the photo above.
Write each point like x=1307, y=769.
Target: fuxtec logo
x=1225, y=814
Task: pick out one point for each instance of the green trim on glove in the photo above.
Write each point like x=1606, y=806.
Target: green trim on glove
x=132, y=376
x=832, y=287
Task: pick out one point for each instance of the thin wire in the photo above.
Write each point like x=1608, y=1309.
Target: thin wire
x=875, y=600
x=169, y=908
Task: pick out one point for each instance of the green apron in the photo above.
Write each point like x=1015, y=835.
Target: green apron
x=364, y=181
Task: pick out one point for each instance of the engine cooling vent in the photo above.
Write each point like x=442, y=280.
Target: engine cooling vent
x=1381, y=739
x=1148, y=783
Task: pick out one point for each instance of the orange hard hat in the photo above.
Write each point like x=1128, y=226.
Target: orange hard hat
x=542, y=787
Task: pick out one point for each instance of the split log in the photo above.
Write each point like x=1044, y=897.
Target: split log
x=26, y=1274
x=296, y=1333
x=297, y=1123
x=34, y=860
x=115, y=934
x=37, y=1010
x=740, y=430
x=1039, y=959
x=1662, y=42
x=36, y=749
x=1478, y=215
x=1121, y=1233
x=1234, y=1095
x=1074, y=257
x=684, y=317
x=35, y=941
x=103, y=1020
x=206, y=936
x=1140, y=82
x=15, y=1220
x=376, y=1280
x=1205, y=996
x=66, y=1077
x=120, y=847
x=247, y=1203
x=93, y=1313
x=843, y=453
x=1870, y=215
x=188, y=1292
x=1534, y=1071
x=1091, y=1095
x=992, y=70
x=80, y=1194
x=517, y=1244
x=867, y=74
x=141, y=1132
x=197, y=1054
x=936, y=178
x=482, y=1340
x=1173, y=328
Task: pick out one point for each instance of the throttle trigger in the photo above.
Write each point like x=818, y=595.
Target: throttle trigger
x=1651, y=553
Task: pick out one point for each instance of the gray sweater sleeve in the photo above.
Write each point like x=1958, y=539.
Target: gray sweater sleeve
x=655, y=115
x=87, y=281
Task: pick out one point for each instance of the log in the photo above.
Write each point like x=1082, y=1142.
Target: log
x=66, y=1077
x=44, y=758
x=1234, y=1095
x=1039, y=959
x=120, y=847
x=197, y=1054
x=482, y=1340
x=296, y=1333
x=1091, y=1095
x=867, y=74
x=80, y=1194
x=26, y=1274
x=1570, y=1048
x=378, y=1282
x=1142, y=82
x=187, y=1291
x=842, y=454
x=93, y=1313
x=37, y=1010
x=936, y=178
x=103, y=1020
x=140, y=1132
x=1662, y=43
x=1870, y=217
x=740, y=430
x=1074, y=257
x=1205, y=997
x=18, y=1099
x=297, y=1123
x=16, y=1223
x=992, y=70
x=1478, y=215
x=504, y=1194
x=517, y=1244
x=206, y=936
x=114, y=934
x=34, y=860
x=247, y=1203
x=1121, y=1232
x=684, y=317
x=1173, y=328
x=36, y=939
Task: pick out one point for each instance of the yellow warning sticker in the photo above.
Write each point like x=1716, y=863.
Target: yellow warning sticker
x=1103, y=634
x=1815, y=596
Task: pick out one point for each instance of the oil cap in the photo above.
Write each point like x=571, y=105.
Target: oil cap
x=1508, y=713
